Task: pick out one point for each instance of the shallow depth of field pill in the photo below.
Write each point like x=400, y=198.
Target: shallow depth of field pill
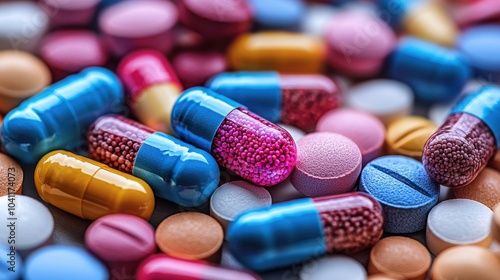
x=291, y=13
x=11, y=264
x=495, y=224
x=187, y=66
x=407, y=136
x=294, y=132
x=316, y=19
x=11, y=176
x=70, y=13
x=191, y=236
x=284, y=191
x=381, y=277
x=485, y=188
x=401, y=257
x=458, y=222
x=337, y=266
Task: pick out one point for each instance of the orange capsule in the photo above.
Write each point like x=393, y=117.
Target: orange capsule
x=89, y=189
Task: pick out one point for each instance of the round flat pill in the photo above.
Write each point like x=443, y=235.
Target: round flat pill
x=458, y=222
x=316, y=19
x=333, y=267
x=465, y=263
x=11, y=264
x=191, y=236
x=485, y=188
x=404, y=189
x=232, y=198
x=327, y=164
x=122, y=241
x=400, y=256
x=31, y=216
x=187, y=66
x=11, y=176
x=70, y=12
x=60, y=262
x=407, y=136
x=389, y=100
x=380, y=277
x=495, y=224
x=363, y=128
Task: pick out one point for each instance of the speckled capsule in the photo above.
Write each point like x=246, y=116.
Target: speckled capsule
x=240, y=140
x=455, y=154
x=292, y=232
x=175, y=170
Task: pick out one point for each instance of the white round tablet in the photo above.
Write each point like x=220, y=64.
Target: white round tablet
x=316, y=19
x=333, y=268
x=232, y=198
x=294, y=132
x=27, y=220
x=389, y=100
x=458, y=222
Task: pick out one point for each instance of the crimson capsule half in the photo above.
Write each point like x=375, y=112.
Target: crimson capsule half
x=240, y=140
x=175, y=170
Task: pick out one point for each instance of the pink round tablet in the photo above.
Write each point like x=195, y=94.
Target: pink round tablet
x=216, y=18
x=358, y=43
x=122, y=241
x=327, y=164
x=70, y=51
x=132, y=25
x=476, y=12
x=70, y=12
x=187, y=66
x=366, y=130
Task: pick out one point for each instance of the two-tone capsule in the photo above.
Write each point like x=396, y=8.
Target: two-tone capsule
x=152, y=87
x=57, y=117
x=298, y=100
x=176, y=171
x=89, y=189
x=292, y=232
x=240, y=140
x=455, y=154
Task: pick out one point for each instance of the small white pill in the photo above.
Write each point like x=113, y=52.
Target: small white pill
x=333, y=268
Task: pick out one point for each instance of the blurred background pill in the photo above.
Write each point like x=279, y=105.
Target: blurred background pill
x=121, y=241
x=187, y=66
x=289, y=17
x=296, y=133
x=70, y=51
x=11, y=175
x=388, y=100
x=284, y=191
x=404, y=189
x=485, y=188
x=22, y=75
x=362, y=128
x=475, y=12
x=381, y=277
x=458, y=222
x=407, y=136
x=231, y=199
x=190, y=236
x=131, y=25
x=401, y=257
x=69, y=13
x=22, y=25
x=11, y=264
x=327, y=164
x=32, y=227
x=465, y=263
x=316, y=19
x=72, y=263
x=495, y=224
x=342, y=267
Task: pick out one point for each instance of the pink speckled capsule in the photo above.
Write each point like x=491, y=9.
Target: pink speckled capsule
x=239, y=140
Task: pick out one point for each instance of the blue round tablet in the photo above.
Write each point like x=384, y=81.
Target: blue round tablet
x=278, y=14
x=480, y=45
x=11, y=264
x=63, y=262
x=403, y=188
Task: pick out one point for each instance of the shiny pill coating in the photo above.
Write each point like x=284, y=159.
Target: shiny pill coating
x=407, y=136
x=175, y=170
x=89, y=189
x=292, y=232
x=56, y=117
x=455, y=154
x=239, y=140
x=298, y=100
x=70, y=12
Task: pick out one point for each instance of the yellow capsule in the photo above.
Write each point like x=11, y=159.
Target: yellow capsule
x=89, y=189
x=407, y=136
x=285, y=52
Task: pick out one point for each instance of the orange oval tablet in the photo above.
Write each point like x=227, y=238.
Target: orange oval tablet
x=381, y=277
x=466, y=263
x=485, y=188
x=284, y=52
x=407, y=136
x=21, y=76
x=495, y=162
x=400, y=257
x=11, y=176
x=495, y=224
x=191, y=236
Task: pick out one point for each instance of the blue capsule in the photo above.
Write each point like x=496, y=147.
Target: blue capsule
x=289, y=17
x=58, y=116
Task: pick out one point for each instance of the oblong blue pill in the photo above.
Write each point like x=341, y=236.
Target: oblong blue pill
x=278, y=14
x=403, y=188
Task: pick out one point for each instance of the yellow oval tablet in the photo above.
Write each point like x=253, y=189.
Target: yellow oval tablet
x=407, y=136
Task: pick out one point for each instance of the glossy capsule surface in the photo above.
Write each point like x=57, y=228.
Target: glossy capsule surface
x=240, y=140
x=89, y=189
x=455, y=154
x=151, y=87
x=292, y=232
x=58, y=116
x=175, y=170
x=161, y=266
x=298, y=100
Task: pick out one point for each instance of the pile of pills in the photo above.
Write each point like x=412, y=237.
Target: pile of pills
x=250, y=139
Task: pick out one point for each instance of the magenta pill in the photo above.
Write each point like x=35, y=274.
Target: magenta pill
x=187, y=66
x=132, y=25
x=121, y=241
x=70, y=51
x=70, y=12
